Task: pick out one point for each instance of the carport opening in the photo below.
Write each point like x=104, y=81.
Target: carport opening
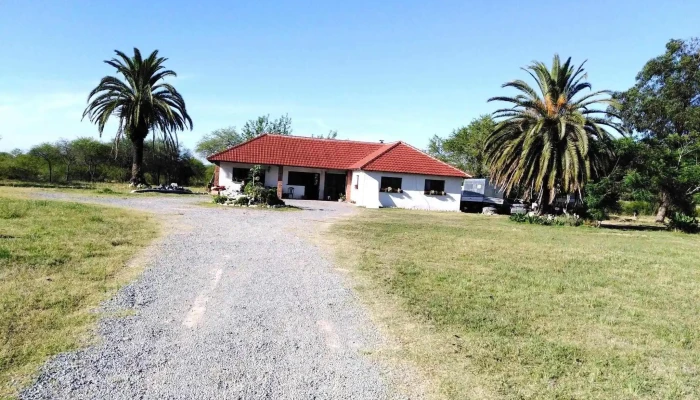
x=309, y=180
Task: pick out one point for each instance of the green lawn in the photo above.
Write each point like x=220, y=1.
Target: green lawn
x=87, y=188
x=488, y=308
x=58, y=260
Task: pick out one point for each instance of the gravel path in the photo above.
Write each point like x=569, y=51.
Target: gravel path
x=235, y=304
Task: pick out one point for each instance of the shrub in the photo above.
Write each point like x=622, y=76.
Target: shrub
x=683, y=223
x=520, y=217
x=638, y=207
x=562, y=220
x=601, y=198
x=242, y=201
x=271, y=198
x=218, y=199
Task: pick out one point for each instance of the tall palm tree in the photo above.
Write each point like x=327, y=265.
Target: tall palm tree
x=552, y=139
x=142, y=103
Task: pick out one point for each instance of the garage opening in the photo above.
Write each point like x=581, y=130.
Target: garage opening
x=309, y=180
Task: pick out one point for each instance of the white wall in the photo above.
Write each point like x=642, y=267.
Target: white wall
x=368, y=194
x=271, y=176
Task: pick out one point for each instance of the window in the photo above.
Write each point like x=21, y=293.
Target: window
x=296, y=178
x=434, y=187
x=240, y=174
x=243, y=175
x=390, y=184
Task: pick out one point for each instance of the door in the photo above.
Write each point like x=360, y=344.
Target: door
x=334, y=186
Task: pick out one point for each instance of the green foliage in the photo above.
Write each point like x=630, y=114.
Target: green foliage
x=464, y=147
x=552, y=139
x=601, y=198
x=87, y=159
x=663, y=109
x=562, y=220
x=683, y=223
x=218, y=140
x=332, y=134
x=260, y=195
x=263, y=124
x=271, y=198
x=638, y=207
x=242, y=201
x=142, y=103
x=219, y=199
x=49, y=153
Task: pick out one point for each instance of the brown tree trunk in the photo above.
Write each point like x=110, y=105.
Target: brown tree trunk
x=137, y=163
x=663, y=208
x=545, y=202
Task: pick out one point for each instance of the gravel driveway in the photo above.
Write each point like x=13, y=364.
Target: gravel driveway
x=234, y=304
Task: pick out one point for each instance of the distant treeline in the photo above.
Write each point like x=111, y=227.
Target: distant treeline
x=90, y=160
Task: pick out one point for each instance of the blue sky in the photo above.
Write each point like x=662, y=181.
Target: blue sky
x=392, y=70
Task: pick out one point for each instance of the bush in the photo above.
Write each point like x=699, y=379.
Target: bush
x=601, y=198
x=218, y=199
x=520, y=217
x=562, y=220
x=638, y=207
x=271, y=198
x=242, y=201
x=683, y=223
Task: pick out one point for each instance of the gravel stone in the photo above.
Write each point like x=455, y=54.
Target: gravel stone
x=234, y=304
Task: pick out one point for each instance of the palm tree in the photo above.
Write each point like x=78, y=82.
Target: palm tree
x=142, y=102
x=551, y=140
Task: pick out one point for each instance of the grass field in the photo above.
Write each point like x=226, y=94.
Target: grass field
x=58, y=260
x=88, y=188
x=487, y=308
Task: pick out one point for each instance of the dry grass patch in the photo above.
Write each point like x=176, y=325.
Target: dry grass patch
x=492, y=309
x=58, y=260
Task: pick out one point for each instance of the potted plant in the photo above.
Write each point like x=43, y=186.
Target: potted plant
x=389, y=189
x=399, y=190
x=433, y=192
x=443, y=193
x=341, y=197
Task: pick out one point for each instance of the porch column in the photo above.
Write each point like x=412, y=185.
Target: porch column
x=348, y=185
x=280, y=174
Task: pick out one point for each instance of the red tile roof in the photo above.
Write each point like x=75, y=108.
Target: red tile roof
x=408, y=160
x=300, y=151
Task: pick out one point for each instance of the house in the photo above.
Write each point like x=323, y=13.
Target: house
x=368, y=174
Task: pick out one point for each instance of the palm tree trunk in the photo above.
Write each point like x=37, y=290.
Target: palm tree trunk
x=137, y=163
x=663, y=208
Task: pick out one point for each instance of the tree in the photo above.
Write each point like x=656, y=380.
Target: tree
x=49, y=153
x=553, y=139
x=67, y=155
x=663, y=109
x=332, y=134
x=91, y=154
x=464, y=147
x=142, y=103
x=256, y=127
x=218, y=140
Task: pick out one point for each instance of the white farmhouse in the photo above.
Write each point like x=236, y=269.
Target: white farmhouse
x=367, y=174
